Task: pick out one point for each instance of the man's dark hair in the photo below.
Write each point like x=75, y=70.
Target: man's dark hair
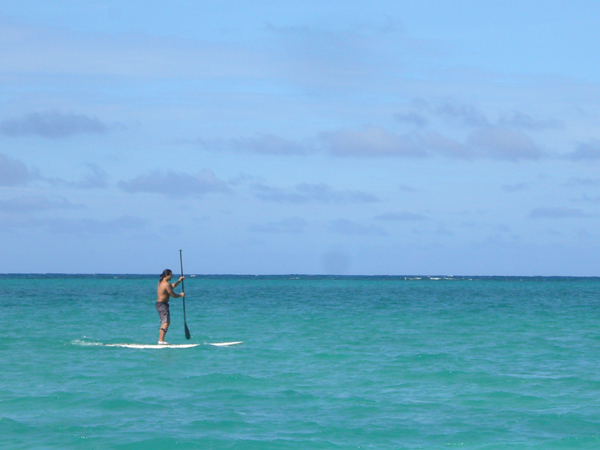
x=165, y=274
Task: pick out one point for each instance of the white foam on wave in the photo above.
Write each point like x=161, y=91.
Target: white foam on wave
x=86, y=343
x=224, y=344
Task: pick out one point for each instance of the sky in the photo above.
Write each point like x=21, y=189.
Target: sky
x=271, y=137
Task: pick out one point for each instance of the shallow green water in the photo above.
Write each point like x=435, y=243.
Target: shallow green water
x=374, y=362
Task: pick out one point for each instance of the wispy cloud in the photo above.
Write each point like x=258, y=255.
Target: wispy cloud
x=293, y=225
x=32, y=203
x=96, y=178
x=587, y=198
x=369, y=142
x=306, y=193
x=490, y=142
x=421, y=112
x=348, y=227
x=300, y=55
x=269, y=144
x=96, y=227
x=557, y=213
x=74, y=227
x=437, y=144
x=50, y=51
x=175, y=183
x=515, y=187
x=51, y=124
x=461, y=113
x=262, y=144
x=583, y=182
x=13, y=172
x=400, y=216
x=405, y=188
x=344, y=58
x=586, y=152
x=521, y=120
x=503, y=139
x=412, y=118
x=505, y=144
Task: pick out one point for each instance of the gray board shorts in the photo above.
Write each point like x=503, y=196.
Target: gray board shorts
x=163, y=312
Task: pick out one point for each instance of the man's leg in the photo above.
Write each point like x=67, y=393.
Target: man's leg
x=163, y=330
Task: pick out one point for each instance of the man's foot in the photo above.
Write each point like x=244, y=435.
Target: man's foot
x=163, y=343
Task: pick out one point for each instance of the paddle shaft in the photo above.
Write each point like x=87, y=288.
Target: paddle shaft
x=187, y=331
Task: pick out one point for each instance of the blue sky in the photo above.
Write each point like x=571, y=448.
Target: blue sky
x=350, y=137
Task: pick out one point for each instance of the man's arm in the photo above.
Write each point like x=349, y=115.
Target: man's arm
x=172, y=293
x=181, y=278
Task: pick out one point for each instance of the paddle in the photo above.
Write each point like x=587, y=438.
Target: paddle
x=187, y=331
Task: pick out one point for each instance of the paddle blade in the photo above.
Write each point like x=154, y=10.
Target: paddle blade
x=187, y=332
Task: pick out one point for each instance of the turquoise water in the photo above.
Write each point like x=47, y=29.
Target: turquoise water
x=353, y=362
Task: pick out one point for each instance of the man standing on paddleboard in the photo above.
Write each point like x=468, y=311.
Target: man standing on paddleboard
x=164, y=293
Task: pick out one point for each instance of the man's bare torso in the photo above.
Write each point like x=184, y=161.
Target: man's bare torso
x=164, y=291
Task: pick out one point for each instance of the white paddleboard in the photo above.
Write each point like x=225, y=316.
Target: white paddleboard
x=225, y=344
x=143, y=346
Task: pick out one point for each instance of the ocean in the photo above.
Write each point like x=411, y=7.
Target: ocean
x=325, y=363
